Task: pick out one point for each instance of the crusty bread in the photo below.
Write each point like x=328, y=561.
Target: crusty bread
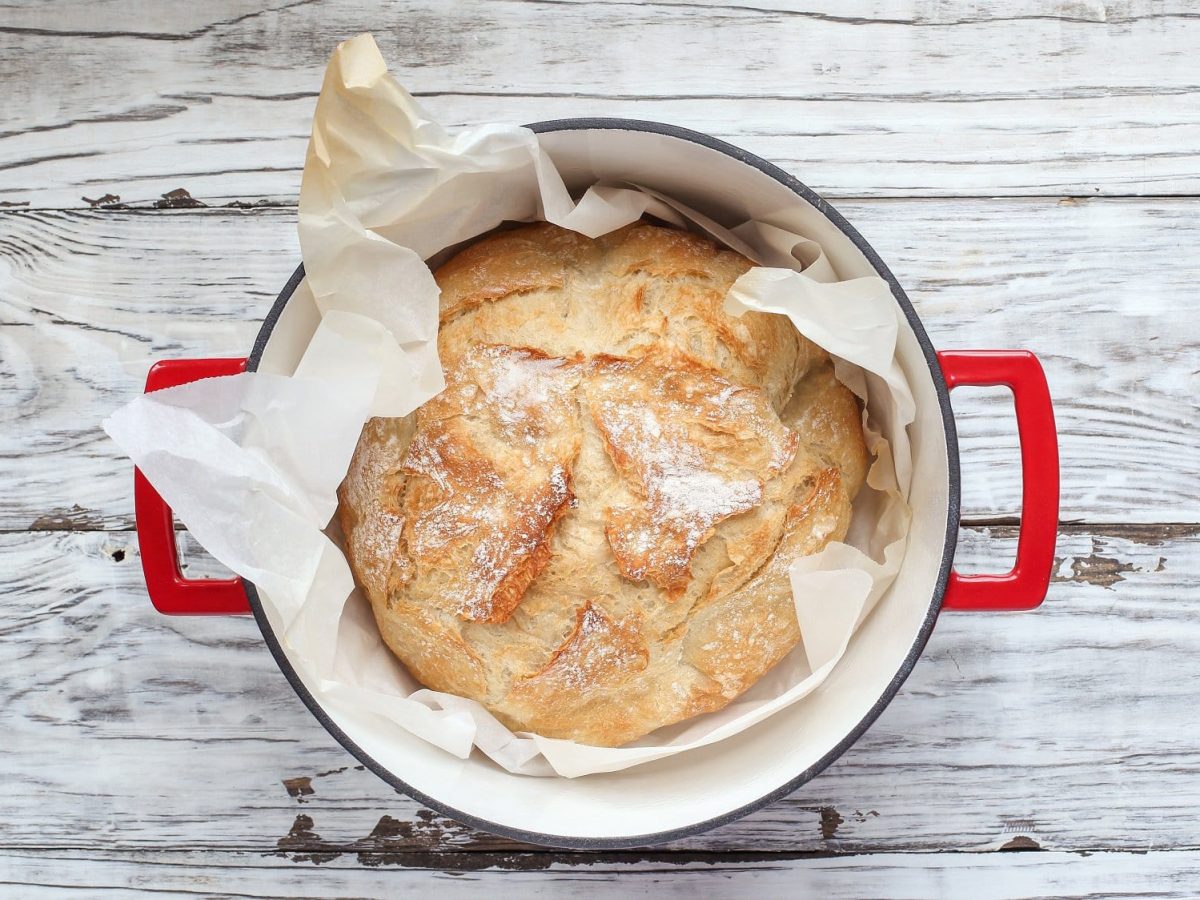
x=589, y=531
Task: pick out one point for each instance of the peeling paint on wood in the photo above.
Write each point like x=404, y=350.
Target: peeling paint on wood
x=74, y=519
x=300, y=840
x=425, y=841
x=178, y=199
x=1099, y=570
x=108, y=201
x=1020, y=843
x=830, y=820
x=1095, y=569
x=299, y=787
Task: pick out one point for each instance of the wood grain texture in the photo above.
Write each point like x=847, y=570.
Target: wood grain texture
x=149, y=754
x=918, y=876
x=88, y=300
x=1056, y=729
x=884, y=99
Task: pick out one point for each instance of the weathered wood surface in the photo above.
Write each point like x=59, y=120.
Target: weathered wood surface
x=378, y=873
x=142, y=753
x=1104, y=291
x=858, y=98
x=1068, y=729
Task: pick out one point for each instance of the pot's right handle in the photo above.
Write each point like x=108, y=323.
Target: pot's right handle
x=1025, y=586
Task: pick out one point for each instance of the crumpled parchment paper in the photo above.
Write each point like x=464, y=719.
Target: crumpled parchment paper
x=251, y=463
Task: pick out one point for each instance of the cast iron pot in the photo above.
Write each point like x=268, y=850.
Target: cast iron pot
x=691, y=792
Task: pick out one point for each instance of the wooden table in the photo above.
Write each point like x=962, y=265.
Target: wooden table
x=1030, y=172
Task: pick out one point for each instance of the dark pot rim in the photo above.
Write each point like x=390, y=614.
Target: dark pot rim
x=914, y=653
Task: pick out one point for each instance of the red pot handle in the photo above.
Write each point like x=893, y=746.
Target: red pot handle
x=1025, y=586
x=170, y=592
x=1022, y=588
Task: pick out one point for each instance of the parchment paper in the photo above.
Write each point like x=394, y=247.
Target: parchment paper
x=251, y=463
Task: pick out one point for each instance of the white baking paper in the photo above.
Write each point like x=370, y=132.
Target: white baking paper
x=251, y=463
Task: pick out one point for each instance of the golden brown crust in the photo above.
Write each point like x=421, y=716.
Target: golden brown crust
x=507, y=263
x=590, y=529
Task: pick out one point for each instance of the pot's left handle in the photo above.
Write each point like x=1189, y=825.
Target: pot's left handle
x=170, y=592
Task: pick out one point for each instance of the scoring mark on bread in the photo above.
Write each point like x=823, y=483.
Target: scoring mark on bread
x=599, y=649
x=698, y=448
x=491, y=477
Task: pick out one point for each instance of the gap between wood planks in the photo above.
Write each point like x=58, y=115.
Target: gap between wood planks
x=374, y=853
x=1099, y=567
x=252, y=204
x=535, y=858
x=1095, y=568
x=245, y=875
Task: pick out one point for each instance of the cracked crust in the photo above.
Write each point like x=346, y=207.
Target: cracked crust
x=696, y=448
x=589, y=530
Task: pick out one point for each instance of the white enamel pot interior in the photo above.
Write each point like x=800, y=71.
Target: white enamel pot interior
x=693, y=791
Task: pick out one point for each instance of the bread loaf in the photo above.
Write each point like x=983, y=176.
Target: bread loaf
x=589, y=530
